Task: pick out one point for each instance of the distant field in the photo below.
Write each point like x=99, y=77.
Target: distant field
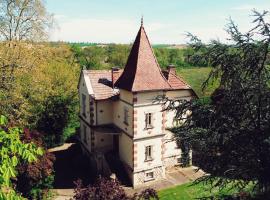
x=195, y=77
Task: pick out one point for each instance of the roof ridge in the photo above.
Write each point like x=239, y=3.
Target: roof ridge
x=141, y=66
x=140, y=35
x=154, y=56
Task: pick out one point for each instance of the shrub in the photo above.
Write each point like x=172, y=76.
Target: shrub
x=108, y=189
x=14, y=151
x=35, y=178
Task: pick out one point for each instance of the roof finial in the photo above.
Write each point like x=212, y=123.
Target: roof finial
x=142, y=21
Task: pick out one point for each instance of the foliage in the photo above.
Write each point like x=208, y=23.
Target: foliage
x=105, y=189
x=34, y=179
x=230, y=133
x=13, y=152
x=116, y=55
x=54, y=118
x=52, y=79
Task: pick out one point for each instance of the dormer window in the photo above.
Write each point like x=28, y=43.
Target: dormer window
x=149, y=120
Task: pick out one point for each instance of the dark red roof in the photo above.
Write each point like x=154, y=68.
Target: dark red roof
x=101, y=82
x=142, y=72
x=175, y=81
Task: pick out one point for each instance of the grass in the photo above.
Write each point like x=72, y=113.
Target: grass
x=190, y=191
x=195, y=77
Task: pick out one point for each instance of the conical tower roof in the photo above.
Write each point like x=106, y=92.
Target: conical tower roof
x=142, y=71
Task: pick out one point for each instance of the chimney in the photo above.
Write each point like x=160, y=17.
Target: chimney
x=171, y=69
x=115, y=75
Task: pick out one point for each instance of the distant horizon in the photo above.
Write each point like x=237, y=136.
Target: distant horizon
x=103, y=43
x=118, y=21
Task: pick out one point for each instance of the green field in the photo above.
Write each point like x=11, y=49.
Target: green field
x=190, y=191
x=195, y=77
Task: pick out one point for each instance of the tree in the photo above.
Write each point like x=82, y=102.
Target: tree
x=24, y=20
x=118, y=55
x=230, y=131
x=21, y=21
x=13, y=152
x=47, y=88
x=35, y=179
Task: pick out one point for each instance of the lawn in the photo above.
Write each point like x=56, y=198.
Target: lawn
x=190, y=191
x=195, y=77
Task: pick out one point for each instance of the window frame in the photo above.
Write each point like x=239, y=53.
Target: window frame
x=149, y=178
x=149, y=120
x=149, y=153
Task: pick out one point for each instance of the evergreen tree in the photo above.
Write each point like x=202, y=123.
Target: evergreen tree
x=230, y=132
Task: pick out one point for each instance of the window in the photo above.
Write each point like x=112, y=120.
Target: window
x=148, y=153
x=83, y=105
x=148, y=120
x=84, y=134
x=126, y=116
x=149, y=176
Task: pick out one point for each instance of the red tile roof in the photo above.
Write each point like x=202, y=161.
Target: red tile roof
x=101, y=82
x=175, y=81
x=142, y=72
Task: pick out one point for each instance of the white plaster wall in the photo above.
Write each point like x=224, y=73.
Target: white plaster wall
x=156, y=152
x=171, y=151
x=118, y=116
x=176, y=94
x=156, y=117
x=144, y=98
x=103, y=142
x=126, y=149
x=179, y=94
x=171, y=148
x=104, y=112
x=83, y=90
x=140, y=177
x=88, y=136
x=126, y=96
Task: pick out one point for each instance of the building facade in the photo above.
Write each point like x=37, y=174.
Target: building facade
x=119, y=112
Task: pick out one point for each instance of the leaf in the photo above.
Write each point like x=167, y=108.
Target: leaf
x=40, y=151
x=3, y=120
x=14, y=161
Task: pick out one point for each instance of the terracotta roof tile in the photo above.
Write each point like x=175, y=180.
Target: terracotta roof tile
x=142, y=72
x=175, y=81
x=101, y=81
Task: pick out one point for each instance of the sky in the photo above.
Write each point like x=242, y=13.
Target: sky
x=165, y=21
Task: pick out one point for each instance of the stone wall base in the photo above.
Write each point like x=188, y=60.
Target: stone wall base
x=145, y=176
